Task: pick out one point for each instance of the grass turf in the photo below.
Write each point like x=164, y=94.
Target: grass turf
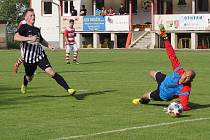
x=106, y=81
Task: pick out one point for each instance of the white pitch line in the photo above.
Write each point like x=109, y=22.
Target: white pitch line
x=130, y=128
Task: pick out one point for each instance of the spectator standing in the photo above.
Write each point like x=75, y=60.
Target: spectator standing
x=83, y=11
x=122, y=10
x=73, y=11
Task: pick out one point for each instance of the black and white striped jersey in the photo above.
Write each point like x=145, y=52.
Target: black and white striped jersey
x=32, y=51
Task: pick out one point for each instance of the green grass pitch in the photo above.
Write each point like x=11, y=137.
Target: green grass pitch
x=106, y=81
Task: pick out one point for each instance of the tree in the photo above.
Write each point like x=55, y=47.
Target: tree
x=11, y=11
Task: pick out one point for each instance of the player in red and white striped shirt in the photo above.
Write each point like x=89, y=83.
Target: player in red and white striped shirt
x=20, y=59
x=70, y=44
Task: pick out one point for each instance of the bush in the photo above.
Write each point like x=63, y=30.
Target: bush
x=13, y=45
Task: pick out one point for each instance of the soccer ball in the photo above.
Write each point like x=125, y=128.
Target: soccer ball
x=175, y=109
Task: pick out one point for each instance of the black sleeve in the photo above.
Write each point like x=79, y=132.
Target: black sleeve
x=22, y=30
x=40, y=36
x=38, y=33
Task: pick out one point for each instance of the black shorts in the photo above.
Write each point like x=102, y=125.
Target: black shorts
x=30, y=68
x=155, y=95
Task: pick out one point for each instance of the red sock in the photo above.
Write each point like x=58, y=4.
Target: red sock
x=67, y=57
x=75, y=55
x=19, y=62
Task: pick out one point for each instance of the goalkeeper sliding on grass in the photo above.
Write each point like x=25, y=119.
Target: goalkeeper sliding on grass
x=176, y=85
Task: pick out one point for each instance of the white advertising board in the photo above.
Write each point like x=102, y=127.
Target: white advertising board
x=117, y=23
x=183, y=21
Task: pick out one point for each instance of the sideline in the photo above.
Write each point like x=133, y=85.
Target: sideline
x=130, y=128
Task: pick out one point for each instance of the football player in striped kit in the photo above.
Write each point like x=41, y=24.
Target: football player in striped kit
x=70, y=44
x=34, y=55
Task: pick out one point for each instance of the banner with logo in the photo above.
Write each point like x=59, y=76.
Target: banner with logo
x=183, y=21
x=117, y=23
x=93, y=23
x=78, y=22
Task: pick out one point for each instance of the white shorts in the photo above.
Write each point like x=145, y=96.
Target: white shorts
x=72, y=47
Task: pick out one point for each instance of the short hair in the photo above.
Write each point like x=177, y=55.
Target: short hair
x=28, y=10
x=71, y=20
x=192, y=76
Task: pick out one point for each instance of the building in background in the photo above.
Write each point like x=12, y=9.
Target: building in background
x=3, y=42
x=187, y=22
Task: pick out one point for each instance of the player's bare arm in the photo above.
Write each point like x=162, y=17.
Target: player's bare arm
x=18, y=37
x=46, y=44
x=66, y=40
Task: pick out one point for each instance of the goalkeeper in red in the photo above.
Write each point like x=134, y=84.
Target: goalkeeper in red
x=176, y=85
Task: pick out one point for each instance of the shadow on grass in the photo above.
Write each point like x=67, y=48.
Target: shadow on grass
x=13, y=90
x=10, y=96
x=49, y=96
x=8, y=91
x=192, y=105
x=15, y=100
x=77, y=96
x=198, y=106
x=67, y=71
x=4, y=89
x=156, y=104
x=184, y=116
x=83, y=95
